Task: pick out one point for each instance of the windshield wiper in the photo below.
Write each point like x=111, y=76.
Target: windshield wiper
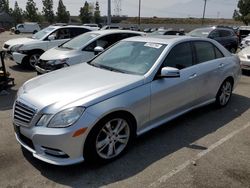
x=106, y=67
x=66, y=47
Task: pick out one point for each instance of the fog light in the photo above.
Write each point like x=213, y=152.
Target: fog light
x=54, y=152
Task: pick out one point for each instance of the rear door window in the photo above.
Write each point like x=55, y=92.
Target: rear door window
x=206, y=51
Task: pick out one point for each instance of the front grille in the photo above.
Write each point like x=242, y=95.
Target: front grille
x=23, y=113
x=6, y=46
x=23, y=138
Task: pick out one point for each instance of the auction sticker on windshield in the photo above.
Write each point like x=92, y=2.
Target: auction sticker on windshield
x=153, y=45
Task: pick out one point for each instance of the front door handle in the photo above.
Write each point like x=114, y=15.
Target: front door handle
x=221, y=65
x=192, y=76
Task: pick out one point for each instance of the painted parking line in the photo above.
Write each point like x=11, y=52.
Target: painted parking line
x=181, y=167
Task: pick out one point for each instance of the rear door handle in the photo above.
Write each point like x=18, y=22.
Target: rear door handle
x=192, y=76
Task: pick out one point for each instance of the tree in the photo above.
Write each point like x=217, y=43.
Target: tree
x=62, y=15
x=236, y=15
x=97, y=14
x=31, y=13
x=17, y=13
x=243, y=13
x=4, y=6
x=85, y=13
x=48, y=10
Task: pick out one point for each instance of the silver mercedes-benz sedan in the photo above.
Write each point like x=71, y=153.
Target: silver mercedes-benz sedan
x=92, y=111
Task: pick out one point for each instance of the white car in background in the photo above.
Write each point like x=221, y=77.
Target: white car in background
x=245, y=42
x=81, y=49
x=26, y=51
x=244, y=56
x=28, y=27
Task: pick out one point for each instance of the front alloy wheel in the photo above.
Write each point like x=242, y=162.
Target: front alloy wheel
x=224, y=93
x=34, y=59
x=112, y=138
x=108, y=139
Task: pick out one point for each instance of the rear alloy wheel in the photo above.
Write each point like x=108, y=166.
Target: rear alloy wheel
x=233, y=50
x=224, y=93
x=34, y=59
x=108, y=140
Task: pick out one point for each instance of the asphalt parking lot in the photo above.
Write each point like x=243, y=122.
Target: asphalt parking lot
x=207, y=147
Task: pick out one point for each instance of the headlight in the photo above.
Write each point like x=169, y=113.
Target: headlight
x=16, y=48
x=62, y=119
x=58, y=61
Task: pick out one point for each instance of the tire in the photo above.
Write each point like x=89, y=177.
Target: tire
x=224, y=94
x=34, y=31
x=103, y=143
x=17, y=32
x=33, y=59
x=233, y=50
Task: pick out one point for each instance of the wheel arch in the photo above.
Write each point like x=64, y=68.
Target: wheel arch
x=124, y=113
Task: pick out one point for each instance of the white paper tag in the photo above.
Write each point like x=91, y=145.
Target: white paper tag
x=153, y=45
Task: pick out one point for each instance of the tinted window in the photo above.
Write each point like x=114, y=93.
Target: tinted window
x=218, y=53
x=214, y=34
x=225, y=33
x=77, y=31
x=204, y=51
x=180, y=56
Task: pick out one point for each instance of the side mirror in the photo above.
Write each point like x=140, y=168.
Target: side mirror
x=52, y=37
x=170, y=72
x=98, y=50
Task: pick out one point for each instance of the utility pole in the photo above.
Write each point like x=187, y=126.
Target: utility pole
x=204, y=11
x=109, y=13
x=139, y=16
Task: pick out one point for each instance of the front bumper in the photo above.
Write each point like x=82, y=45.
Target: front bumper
x=18, y=57
x=56, y=146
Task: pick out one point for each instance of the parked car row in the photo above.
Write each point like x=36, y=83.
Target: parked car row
x=26, y=51
x=81, y=49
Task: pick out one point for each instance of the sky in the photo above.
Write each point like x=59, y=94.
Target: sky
x=150, y=8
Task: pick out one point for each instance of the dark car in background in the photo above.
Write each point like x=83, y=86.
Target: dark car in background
x=2, y=29
x=225, y=36
x=168, y=32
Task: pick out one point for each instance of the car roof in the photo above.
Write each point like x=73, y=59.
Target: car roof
x=114, y=31
x=165, y=39
x=68, y=26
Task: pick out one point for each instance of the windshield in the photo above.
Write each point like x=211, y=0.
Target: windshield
x=42, y=33
x=200, y=32
x=79, y=41
x=130, y=57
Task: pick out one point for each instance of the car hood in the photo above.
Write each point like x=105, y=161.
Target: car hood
x=13, y=42
x=79, y=85
x=58, y=53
